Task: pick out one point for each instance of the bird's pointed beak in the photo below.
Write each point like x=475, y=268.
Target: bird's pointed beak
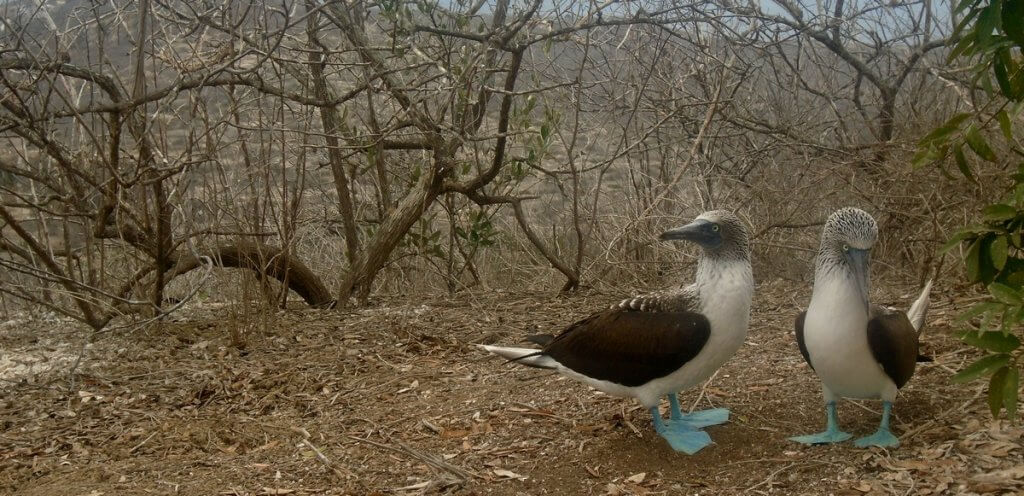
x=690, y=232
x=860, y=263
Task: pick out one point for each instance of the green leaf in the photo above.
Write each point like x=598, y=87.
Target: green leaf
x=961, y=163
x=979, y=145
x=991, y=341
x=926, y=154
x=945, y=173
x=1010, y=388
x=995, y=391
x=985, y=365
x=1002, y=76
x=998, y=251
x=965, y=44
x=986, y=319
x=1013, y=20
x=1005, y=293
x=1004, y=123
x=1006, y=57
x=998, y=212
x=986, y=83
x=955, y=241
x=977, y=310
x=987, y=20
x=963, y=4
x=972, y=262
x=946, y=129
x=1009, y=320
x=971, y=14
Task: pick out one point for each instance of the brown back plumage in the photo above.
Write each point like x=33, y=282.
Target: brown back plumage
x=799, y=325
x=630, y=347
x=893, y=342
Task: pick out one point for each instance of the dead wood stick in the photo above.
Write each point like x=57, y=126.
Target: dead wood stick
x=427, y=458
x=319, y=454
x=326, y=461
x=703, y=391
x=144, y=441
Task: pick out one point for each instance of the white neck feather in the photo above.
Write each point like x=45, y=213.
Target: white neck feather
x=721, y=281
x=835, y=292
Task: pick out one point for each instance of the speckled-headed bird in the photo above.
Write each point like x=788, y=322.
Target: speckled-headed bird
x=658, y=344
x=858, y=350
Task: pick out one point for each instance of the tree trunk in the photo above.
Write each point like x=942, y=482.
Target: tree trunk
x=163, y=238
x=331, y=122
x=572, y=279
x=399, y=220
x=886, y=125
x=263, y=259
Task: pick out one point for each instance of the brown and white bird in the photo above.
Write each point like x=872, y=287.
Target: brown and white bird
x=659, y=344
x=858, y=350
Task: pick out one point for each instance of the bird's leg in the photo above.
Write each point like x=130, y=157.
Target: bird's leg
x=832, y=433
x=680, y=436
x=659, y=426
x=673, y=403
x=699, y=418
x=883, y=436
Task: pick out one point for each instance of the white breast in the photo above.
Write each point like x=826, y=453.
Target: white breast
x=835, y=334
x=725, y=300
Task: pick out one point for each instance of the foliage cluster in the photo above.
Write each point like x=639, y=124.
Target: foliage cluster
x=991, y=36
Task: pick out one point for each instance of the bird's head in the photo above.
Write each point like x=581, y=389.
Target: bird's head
x=846, y=243
x=718, y=232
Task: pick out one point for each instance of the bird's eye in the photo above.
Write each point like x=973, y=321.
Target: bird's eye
x=846, y=248
x=714, y=227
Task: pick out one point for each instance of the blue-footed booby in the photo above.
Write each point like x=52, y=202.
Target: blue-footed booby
x=661, y=343
x=857, y=349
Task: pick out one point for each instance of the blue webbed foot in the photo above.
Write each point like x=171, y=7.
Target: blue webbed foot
x=698, y=419
x=832, y=433
x=688, y=442
x=827, y=437
x=680, y=435
x=881, y=437
x=704, y=418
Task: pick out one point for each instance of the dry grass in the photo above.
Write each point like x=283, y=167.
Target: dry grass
x=393, y=399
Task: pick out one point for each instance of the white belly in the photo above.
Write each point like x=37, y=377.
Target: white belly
x=725, y=301
x=835, y=334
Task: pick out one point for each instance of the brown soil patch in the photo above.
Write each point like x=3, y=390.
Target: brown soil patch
x=394, y=399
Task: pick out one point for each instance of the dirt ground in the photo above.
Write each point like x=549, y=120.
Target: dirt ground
x=394, y=399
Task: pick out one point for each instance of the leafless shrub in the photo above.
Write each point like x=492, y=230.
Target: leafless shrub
x=330, y=147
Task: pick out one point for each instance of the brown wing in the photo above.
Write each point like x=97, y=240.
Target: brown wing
x=629, y=347
x=799, y=324
x=893, y=343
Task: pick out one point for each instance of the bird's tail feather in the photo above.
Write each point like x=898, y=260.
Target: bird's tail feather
x=919, y=309
x=531, y=357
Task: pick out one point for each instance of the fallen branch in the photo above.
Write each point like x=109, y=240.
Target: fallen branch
x=265, y=259
x=320, y=454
